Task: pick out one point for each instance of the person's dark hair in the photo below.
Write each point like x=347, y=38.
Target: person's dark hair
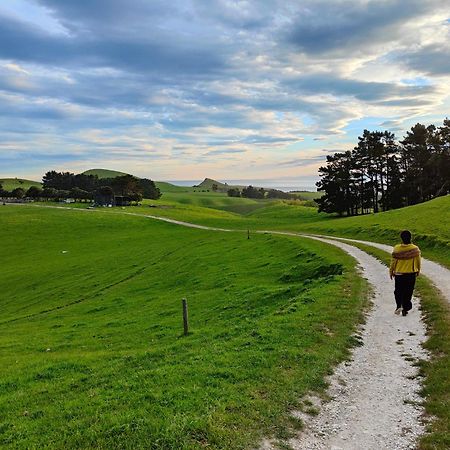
x=406, y=236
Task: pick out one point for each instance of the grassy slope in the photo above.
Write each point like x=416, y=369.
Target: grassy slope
x=91, y=347
x=428, y=221
x=104, y=173
x=308, y=195
x=10, y=184
x=215, y=200
x=171, y=188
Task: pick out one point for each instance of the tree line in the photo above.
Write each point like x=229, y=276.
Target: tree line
x=62, y=185
x=259, y=193
x=381, y=173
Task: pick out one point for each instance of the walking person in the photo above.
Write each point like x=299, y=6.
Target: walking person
x=405, y=267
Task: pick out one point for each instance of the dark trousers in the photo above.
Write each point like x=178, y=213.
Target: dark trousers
x=404, y=287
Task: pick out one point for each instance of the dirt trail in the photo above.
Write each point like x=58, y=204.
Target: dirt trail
x=375, y=400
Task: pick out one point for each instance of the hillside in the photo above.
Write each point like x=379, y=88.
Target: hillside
x=10, y=184
x=208, y=183
x=164, y=187
x=428, y=221
x=104, y=173
x=93, y=353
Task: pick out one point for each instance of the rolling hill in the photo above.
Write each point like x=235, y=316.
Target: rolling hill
x=9, y=184
x=104, y=173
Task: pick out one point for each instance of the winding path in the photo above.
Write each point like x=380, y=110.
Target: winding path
x=375, y=401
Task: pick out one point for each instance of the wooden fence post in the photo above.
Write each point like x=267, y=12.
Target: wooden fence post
x=185, y=317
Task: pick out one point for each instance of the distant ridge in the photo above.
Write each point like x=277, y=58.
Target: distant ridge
x=104, y=173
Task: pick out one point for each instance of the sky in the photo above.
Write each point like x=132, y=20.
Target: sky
x=183, y=90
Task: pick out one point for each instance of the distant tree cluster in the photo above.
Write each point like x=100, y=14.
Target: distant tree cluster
x=259, y=193
x=62, y=185
x=82, y=186
x=381, y=174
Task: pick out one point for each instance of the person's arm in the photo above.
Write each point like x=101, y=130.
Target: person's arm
x=417, y=263
x=392, y=267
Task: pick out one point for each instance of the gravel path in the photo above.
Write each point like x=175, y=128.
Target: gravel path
x=375, y=400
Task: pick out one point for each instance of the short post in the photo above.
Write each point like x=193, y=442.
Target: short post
x=185, y=317
x=248, y=233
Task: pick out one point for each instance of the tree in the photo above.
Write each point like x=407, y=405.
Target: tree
x=18, y=193
x=80, y=194
x=149, y=189
x=104, y=195
x=275, y=193
x=337, y=182
x=251, y=192
x=34, y=192
x=234, y=192
x=379, y=173
x=49, y=193
x=58, y=180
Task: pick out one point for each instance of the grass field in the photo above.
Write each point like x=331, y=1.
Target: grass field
x=9, y=184
x=429, y=222
x=92, y=353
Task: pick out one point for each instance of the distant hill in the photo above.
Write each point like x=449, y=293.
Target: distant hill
x=9, y=184
x=104, y=173
x=207, y=183
x=162, y=185
x=168, y=187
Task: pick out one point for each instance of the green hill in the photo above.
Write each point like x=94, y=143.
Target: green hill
x=92, y=347
x=164, y=187
x=104, y=173
x=208, y=183
x=10, y=184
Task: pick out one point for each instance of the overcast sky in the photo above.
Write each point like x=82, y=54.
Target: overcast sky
x=225, y=89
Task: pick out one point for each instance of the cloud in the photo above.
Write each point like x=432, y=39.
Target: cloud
x=225, y=151
x=179, y=85
x=342, y=25
x=431, y=59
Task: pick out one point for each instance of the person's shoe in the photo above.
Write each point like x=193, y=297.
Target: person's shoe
x=398, y=311
x=404, y=312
